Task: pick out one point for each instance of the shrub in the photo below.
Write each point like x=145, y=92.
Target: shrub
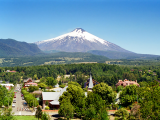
x=47, y=108
x=62, y=86
x=121, y=114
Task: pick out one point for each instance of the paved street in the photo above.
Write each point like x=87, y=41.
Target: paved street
x=19, y=105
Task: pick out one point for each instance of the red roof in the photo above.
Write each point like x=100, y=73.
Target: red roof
x=32, y=83
x=12, y=71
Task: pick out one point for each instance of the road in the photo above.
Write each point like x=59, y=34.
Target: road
x=19, y=105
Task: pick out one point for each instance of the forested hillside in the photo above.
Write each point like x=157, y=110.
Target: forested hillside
x=10, y=47
x=109, y=74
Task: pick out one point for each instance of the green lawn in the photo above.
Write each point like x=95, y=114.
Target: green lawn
x=25, y=118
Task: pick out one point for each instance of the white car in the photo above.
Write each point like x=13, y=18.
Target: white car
x=13, y=105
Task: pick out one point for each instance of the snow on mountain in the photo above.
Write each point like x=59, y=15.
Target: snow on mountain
x=78, y=41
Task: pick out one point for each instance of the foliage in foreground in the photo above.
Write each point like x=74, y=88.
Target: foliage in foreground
x=73, y=102
x=7, y=114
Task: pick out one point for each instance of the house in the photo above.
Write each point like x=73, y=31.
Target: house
x=90, y=83
x=8, y=86
x=12, y=71
x=126, y=82
x=53, y=97
x=29, y=82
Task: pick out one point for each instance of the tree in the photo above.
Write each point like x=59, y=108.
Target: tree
x=7, y=114
x=45, y=116
x=149, y=102
x=47, y=103
x=51, y=81
x=43, y=80
x=70, y=77
x=77, y=98
x=106, y=92
x=122, y=114
x=74, y=83
x=95, y=107
x=66, y=109
x=38, y=113
x=119, y=88
x=42, y=85
x=35, y=77
x=128, y=95
x=33, y=88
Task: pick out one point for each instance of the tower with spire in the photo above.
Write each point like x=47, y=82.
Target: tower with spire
x=90, y=85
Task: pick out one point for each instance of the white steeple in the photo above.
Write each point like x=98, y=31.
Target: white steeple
x=90, y=86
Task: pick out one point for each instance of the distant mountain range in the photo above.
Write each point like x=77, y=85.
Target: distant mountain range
x=11, y=47
x=76, y=41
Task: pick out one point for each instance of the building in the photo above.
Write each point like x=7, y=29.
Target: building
x=8, y=86
x=126, y=82
x=12, y=71
x=90, y=83
x=53, y=97
x=29, y=82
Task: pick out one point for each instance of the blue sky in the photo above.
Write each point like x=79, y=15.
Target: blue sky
x=132, y=24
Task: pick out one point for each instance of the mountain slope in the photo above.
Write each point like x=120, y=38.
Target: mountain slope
x=78, y=41
x=122, y=55
x=10, y=47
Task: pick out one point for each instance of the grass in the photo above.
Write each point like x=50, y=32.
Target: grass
x=25, y=118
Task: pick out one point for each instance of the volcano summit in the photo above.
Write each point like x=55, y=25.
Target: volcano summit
x=78, y=41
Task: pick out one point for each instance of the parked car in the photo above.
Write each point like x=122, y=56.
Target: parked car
x=14, y=101
x=22, y=98
x=21, y=95
x=13, y=105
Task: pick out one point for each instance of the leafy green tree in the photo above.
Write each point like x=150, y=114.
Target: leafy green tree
x=149, y=103
x=95, y=107
x=62, y=86
x=7, y=114
x=42, y=85
x=33, y=88
x=35, y=77
x=38, y=113
x=71, y=77
x=128, y=95
x=47, y=103
x=77, y=98
x=60, y=82
x=122, y=114
x=66, y=109
x=74, y=83
x=90, y=112
x=51, y=81
x=119, y=88
x=43, y=80
x=106, y=92
x=45, y=116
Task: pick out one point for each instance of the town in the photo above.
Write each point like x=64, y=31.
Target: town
x=79, y=91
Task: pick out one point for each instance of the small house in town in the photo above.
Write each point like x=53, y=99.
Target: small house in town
x=8, y=86
x=11, y=71
x=29, y=82
x=126, y=82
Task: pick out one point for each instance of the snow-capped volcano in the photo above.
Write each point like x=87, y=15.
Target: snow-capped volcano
x=78, y=41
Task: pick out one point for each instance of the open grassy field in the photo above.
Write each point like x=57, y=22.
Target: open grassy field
x=25, y=118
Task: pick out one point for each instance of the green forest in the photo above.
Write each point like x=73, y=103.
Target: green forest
x=101, y=72
x=102, y=98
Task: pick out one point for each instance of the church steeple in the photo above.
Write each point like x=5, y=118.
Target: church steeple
x=90, y=86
